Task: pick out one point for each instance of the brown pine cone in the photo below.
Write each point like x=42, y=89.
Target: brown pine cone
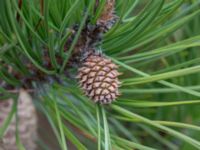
x=27, y=123
x=98, y=77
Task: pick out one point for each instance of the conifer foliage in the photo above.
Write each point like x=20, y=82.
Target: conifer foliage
x=106, y=74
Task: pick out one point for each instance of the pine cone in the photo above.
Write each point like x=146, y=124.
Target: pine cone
x=99, y=79
x=27, y=123
x=107, y=18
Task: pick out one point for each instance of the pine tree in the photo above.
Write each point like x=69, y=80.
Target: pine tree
x=106, y=74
